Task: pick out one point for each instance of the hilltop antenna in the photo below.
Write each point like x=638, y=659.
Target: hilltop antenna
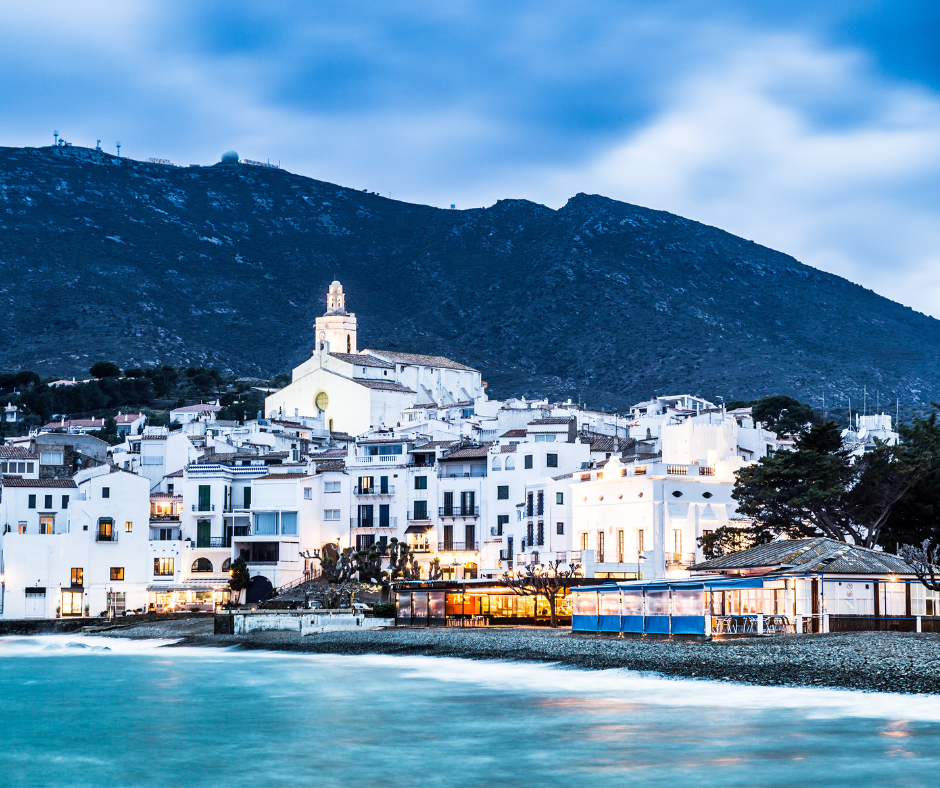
x=98, y=145
x=55, y=135
x=119, y=148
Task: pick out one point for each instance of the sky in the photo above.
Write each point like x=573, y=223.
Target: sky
x=809, y=127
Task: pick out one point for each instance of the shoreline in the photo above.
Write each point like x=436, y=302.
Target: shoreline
x=867, y=661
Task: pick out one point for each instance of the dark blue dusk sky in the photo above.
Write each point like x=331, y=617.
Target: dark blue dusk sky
x=811, y=127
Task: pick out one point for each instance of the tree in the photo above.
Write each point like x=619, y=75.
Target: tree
x=434, y=569
x=925, y=561
x=340, y=569
x=369, y=565
x=548, y=581
x=726, y=539
x=105, y=369
x=402, y=562
x=240, y=578
x=820, y=489
x=784, y=415
x=109, y=432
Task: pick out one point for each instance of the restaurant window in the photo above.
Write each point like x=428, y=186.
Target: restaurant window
x=528, y=461
x=163, y=567
x=72, y=603
x=47, y=502
x=559, y=528
x=105, y=492
x=78, y=575
x=117, y=572
x=421, y=482
x=47, y=524
x=559, y=498
x=501, y=521
x=551, y=460
x=502, y=492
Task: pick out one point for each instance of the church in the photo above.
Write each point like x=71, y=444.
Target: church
x=354, y=391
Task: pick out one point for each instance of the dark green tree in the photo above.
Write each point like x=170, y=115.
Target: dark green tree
x=105, y=369
x=240, y=579
x=784, y=415
x=726, y=539
x=819, y=489
x=402, y=562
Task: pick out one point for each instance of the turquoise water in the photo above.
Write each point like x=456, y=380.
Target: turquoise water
x=139, y=715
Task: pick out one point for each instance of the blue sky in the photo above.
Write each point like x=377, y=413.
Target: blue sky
x=813, y=128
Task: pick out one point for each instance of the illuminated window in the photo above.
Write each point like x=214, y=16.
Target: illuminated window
x=21, y=527
x=202, y=565
x=128, y=527
x=163, y=567
x=584, y=541
x=47, y=524
x=117, y=572
x=78, y=575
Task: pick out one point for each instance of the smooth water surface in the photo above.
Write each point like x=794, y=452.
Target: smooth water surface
x=139, y=715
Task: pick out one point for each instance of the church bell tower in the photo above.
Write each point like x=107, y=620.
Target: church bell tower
x=335, y=331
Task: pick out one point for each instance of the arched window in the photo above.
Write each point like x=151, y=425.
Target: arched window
x=497, y=466
x=226, y=565
x=510, y=463
x=202, y=565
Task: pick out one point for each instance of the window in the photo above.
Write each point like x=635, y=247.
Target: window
x=676, y=494
x=421, y=482
x=162, y=567
x=497, y=465
x=677, y=540
x=421, y=510
x=308, y=493
x=47, y=524
x=105, y=492
x=541, y=533
x=510, y=463
x=559, y=498
x=540, y=508
x=247, y=504
x=559, y=528
x=706, y=495
x=265, y=523
x=639, y=541
x=529, y=534
x=106, y=532
x=619, y=547
x=50, y=458
x=600, y=547
x=289, y=523
x=331, y=514
x=528, y=461
x=530, y=504
x=502, y=492
x=551, y=460
x=226, y=565
x=65, y=502
x=205, y=498
x=78, y=575
x=331, y=487
x=545, y=438
x=202, y=565
x=31, y=502
x=584, y=541
x=128, y=527
x=117, y=572
x=384, y=519
x=21, y=527
x=169, y=489
x=47, y=503
x=501, y=520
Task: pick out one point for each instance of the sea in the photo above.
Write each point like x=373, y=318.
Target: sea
x=85, y=711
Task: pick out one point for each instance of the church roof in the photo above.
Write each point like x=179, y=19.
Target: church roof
x=419, y=360
x=362, y=360
x=383, y=385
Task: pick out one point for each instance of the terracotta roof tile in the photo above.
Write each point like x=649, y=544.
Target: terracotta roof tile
x=415, y=359
x=16, y=481
x=363, y=360
x=16, y=453
x=383, y=385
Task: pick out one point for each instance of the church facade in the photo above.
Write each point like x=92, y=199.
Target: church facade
x=353, y=390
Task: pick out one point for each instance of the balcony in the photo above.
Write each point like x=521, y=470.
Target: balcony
x=458, y=547
x=384, y=459
x=418, y=517
x=236, y=511
x=203, y=507
x=680, y=560
x=420, y=547
x=164, y=518
x=110, y=535
x=389, y=489
x=166, y=533
x=447, y=474
x=354, y=522
x=458, y=511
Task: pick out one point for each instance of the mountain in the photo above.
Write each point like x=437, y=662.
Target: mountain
x=228, y=265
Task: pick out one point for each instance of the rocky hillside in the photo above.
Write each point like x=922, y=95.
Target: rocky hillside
x=601, y=301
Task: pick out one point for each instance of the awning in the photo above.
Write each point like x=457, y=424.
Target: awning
x=418, y=529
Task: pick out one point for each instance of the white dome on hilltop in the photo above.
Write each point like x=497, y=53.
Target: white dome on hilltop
x=230, y=156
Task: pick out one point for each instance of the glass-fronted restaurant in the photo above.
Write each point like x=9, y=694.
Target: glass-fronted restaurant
x=439, y=604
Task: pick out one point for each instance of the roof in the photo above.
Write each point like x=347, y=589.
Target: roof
x=810, y=555
x=432, y=446
x=554, y=420
x=66, y=423
x=280, y=477
x=469, y=453
x=383, y=385
x=174, y=475
x=127, y=418
x=166, y=496
x=605, y=443
x=372, y=441
x=419, y=360
x=16, y=481
x=331, y=465
x=196, y=408
x=513, y=434
x=363, y=360
x=563, y=476
x=330, y=453
x=16, y=453
x=508, y=448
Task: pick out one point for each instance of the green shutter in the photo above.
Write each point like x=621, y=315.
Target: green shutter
x=203, y=532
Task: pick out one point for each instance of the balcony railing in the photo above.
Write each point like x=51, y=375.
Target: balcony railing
x=360, y=459
x=420, y=547
x=389, y=489
x=236, y=510
x=458, y=547
x=164, y=518
x=107, y=536
x=448, y=474
x=166, y=534
x=418, y=517
x=677, y=470
x=355, y=522
x=203, y=507
x=458, y=511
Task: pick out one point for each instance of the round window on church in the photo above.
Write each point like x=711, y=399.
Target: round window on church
x=321, y=400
